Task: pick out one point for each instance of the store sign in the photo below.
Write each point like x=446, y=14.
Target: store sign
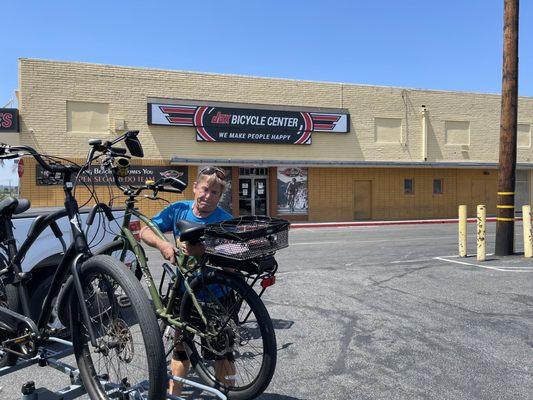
x=137, y=175
x=9, y=120
x=221, y=124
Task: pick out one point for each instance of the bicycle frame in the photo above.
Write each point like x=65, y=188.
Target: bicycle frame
x=165, y=313
x=71, y=262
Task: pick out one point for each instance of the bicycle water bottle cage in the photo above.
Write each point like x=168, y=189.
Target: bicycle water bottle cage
x=190, y=231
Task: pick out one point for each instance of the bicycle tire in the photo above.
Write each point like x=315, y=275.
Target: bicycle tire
x=167, y=334
x=129, y=258
x=9, y=298
x=59, y=319
x=115, y=336
x=233, y=336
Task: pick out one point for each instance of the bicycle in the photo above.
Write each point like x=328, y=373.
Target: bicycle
x=235, y=325
x=117, y=347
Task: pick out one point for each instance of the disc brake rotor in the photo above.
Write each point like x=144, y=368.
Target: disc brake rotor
x=121, y=339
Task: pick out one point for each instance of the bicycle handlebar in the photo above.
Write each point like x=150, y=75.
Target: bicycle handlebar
x=7, y=152
x=106, y=209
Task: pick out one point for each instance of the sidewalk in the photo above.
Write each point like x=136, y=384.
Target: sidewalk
x=296, y=225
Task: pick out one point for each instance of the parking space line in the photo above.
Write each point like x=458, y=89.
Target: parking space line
x=355, y=241
x=410, y=261
x=501, y=269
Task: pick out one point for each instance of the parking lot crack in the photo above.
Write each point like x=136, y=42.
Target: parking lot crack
x=408, y=272
x=339, y=366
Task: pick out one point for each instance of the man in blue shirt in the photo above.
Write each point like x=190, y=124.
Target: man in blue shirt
x=208, y=190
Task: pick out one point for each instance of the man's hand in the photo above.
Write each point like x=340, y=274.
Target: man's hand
x=167, y=251
x=196, y=250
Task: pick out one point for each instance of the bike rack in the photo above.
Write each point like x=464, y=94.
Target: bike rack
x=51, y=358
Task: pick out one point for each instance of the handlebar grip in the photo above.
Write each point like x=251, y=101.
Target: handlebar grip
x=105, y=208
x=4, y=156
x=118, y=150
x=171, y=190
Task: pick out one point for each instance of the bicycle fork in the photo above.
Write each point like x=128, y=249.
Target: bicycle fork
x=75, y=271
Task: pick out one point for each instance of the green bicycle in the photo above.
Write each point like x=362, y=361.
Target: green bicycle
x=214, y=313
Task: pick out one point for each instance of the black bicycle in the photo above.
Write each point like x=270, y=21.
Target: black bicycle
x=114, y=330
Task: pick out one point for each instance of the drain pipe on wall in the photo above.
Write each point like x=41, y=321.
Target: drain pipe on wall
x=424, y=114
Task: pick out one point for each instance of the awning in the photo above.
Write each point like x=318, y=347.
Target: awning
x=333, y=163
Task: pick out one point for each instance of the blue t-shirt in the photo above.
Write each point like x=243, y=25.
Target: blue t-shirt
x=166, y=222
x=167, y=218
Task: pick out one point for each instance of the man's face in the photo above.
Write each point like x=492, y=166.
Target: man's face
x=206, y=196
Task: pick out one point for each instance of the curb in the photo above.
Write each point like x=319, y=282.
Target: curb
x=379, y=223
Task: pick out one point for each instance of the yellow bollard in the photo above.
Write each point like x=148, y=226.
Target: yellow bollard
x=528, y=238
x=462, y=231
x=481, y=223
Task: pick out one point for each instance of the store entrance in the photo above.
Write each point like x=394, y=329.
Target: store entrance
x=253, y=193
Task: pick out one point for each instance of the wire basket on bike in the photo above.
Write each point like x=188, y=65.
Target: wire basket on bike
x=246, y=238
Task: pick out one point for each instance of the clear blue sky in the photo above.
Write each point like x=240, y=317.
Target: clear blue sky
x=448, y=45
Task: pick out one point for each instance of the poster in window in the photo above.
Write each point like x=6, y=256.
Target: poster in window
x=292, y=191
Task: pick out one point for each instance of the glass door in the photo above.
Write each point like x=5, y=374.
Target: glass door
x=253, y=195
x=260, y=196
x=245, y=196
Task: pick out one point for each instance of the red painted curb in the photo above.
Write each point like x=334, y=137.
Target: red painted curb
x=378, y=223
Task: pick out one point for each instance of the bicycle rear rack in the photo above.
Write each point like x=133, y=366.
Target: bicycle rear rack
x=52, y=358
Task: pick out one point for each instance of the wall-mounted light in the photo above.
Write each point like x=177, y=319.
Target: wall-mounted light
x=120, y=125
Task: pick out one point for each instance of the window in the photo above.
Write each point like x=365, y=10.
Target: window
x=408, y=187
x=437, y=186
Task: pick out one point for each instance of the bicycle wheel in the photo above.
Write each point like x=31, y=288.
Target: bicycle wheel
x=59, y=319
x=121, y=250
x=239, y=357
x=129, y=354
x=168, y=334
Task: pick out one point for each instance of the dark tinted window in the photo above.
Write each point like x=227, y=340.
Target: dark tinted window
x=437, y=186
x=408, y=186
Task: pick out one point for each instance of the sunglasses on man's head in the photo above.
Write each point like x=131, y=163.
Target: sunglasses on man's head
x=213, y=170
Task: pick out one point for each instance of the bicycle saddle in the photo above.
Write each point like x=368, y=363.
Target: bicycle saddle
x=12, y=206
x=190, y=231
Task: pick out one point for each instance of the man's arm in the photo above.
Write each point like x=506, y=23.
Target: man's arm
x=151, y=239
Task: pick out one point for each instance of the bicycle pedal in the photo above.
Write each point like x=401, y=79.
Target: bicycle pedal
x=123, y=301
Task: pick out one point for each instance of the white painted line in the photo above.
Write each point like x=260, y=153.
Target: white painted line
x=501, y=269
x=457, y=255
x=410, y=261
x=355, y=241
x=315, y=243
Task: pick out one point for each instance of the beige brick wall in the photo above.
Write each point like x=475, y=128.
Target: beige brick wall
x=331, y=193
x=46, y=86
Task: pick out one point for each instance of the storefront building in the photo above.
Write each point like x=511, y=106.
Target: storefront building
x=306, y=151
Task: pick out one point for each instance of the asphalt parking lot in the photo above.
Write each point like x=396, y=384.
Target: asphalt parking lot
x=389, y=312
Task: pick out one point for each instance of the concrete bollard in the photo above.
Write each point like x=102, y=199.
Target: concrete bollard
x=481, y=224
x=528, y=238
x=462, y=231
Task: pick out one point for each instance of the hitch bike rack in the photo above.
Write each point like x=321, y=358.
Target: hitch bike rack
x=52, y=358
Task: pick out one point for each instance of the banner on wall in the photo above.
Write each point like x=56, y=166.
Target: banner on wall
x=223, y=124
x=292, y=191
x=137, y=175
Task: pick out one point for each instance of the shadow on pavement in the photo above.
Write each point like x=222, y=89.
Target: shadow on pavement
x=275, y=396
x=282, y=324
